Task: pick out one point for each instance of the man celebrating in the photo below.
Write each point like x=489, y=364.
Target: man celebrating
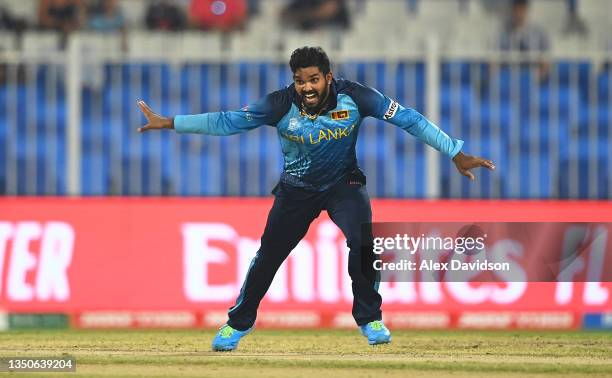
x=317, y=119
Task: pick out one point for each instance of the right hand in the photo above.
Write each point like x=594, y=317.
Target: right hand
x=466, y=162
x=154, y=120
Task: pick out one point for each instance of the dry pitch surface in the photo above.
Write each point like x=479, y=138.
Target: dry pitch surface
x=321, y=353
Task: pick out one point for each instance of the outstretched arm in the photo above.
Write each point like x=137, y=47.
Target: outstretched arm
x=214, y=123
x=375, y=104
x=419, y=126
x=267, y=111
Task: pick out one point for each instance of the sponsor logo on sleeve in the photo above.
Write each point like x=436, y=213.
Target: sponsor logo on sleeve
x=391, y=110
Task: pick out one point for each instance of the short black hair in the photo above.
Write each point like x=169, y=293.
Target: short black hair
x=309, y=57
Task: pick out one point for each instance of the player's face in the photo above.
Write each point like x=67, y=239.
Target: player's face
x=312, y=86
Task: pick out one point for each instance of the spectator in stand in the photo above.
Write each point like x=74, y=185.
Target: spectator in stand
x=252, y=7
x=10, y=22
x=518, y=34
x=223, y=15
x=574, y=24
x=105, y=16
x=64, y=16
x=165, y=15
x=314, y=14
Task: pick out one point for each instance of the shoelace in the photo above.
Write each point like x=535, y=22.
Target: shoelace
x=377, y=325
x=227, y=331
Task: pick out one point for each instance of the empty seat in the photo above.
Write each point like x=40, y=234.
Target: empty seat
x=253, y=45
x=135, y=12
x=95, y=42
x=40, y=42
x=188, y=45
x=327, y=39
x=551, y=14
x=7, y=41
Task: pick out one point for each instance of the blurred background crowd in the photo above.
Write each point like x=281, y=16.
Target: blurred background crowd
x=518, y=25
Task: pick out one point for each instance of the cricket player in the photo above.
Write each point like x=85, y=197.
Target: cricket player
x=317, y=119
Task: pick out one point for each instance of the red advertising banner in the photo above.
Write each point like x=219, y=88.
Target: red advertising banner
x=180, y=262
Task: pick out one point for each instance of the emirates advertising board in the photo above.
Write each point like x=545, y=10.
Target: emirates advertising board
x=180, y=262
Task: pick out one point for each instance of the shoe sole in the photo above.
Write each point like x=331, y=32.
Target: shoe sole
x=379, y=341
x=223, y=349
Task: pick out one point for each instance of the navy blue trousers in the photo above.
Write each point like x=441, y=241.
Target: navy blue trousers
x=348, y=205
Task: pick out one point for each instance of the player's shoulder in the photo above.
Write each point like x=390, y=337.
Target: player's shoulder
x=277, y=102
x=361, y=94
x=345, y=86
x=369, y=101
x=282, y=96
x=354, y=89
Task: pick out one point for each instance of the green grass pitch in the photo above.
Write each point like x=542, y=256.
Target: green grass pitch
x=320, y=353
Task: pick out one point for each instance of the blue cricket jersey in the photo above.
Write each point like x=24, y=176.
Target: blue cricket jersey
x=319, y=152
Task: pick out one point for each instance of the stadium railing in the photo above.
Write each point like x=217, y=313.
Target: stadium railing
x=68, y=119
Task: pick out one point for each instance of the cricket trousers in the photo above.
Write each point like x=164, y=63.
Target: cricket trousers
x=348, y=206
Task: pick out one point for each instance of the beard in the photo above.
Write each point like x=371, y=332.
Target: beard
x=321, y=97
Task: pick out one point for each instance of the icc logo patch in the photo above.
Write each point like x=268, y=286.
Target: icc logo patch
x=293, y=124
x=248, y=115
x=339, y=115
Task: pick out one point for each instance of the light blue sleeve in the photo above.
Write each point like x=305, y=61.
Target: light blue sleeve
x=218, y=123
x=419, y=126
x=267, y=111
x=373, y=103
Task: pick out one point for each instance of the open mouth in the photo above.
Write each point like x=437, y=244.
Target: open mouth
x=310, y=98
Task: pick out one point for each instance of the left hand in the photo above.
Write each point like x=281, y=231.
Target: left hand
x=154, y=120
x=466, y=162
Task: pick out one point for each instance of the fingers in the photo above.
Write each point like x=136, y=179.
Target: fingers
x=148, y=113
x=468, y=174
x=487, y=164
x=479, y=162
x=474, y=162
x=145, y=109
x=143, y=128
